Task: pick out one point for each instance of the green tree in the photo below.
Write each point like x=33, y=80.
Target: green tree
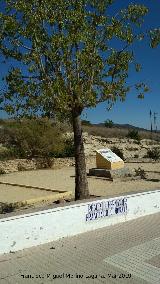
x=108, y=123
x=68, y=61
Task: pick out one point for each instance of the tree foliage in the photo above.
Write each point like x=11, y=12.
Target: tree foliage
x=155, y=37
x=68, y=55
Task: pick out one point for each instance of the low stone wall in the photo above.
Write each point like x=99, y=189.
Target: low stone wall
x=16, y=165
x=11, y=166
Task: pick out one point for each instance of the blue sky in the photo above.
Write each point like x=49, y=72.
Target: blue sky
x=136, y=111
x=133, y=111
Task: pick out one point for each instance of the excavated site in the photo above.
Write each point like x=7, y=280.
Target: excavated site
x=29, y=184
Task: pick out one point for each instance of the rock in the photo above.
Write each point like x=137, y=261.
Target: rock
x=111, y=174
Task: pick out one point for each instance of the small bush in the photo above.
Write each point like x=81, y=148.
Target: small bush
x=118, y=152
x=48, y=162
x=7, y=208
x=140, y=172
x=2, y=171
x=86, y=122
x=7, y=154
x=67, y=151
x=133, y=134
x=136, y=156
x=153, y=153
x=44, y=163
x=21, y=167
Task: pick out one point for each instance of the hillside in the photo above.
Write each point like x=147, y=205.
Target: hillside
x=119, y=131
x=123, y=126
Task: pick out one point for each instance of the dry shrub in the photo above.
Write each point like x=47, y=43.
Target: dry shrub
x=34, y=138
x=153, y=154
x=133, y=134
x=7, y=207
x=140, y=172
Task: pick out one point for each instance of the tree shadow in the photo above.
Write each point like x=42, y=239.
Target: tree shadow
x=153, y=179
x=95, y=177
x=155, y=172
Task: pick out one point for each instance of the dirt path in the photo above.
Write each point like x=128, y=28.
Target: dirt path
x=11, y=194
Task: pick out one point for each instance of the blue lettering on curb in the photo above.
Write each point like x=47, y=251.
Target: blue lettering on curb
x=106, y=208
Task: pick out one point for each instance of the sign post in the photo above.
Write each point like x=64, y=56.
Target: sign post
x=106, y=159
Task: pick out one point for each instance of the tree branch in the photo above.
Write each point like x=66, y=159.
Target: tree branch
x=118, y=55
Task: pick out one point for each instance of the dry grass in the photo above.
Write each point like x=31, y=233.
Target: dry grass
x=118, y=132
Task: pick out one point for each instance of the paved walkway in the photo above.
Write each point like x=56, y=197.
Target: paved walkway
x=124, y=253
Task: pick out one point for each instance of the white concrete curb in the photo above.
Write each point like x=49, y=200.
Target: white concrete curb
x=24, y=231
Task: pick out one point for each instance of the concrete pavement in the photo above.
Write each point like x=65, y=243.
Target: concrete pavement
x=124, y=253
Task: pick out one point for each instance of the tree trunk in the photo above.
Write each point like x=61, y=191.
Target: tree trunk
x=81, y=184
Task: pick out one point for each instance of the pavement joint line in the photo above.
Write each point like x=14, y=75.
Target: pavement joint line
x=45, y=198
x=135, y=260
x=51, y=197
x=35, y=187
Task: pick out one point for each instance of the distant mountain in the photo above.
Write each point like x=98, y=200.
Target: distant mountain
x=129, y=126
x=126, y=126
